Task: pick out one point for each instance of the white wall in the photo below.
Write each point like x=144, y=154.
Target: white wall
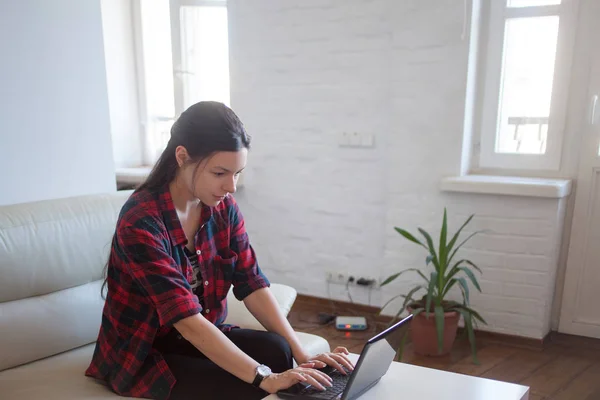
x=54, y=119
x=119, y=50
x=305, y=71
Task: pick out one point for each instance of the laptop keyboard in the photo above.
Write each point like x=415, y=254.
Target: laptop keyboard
x=339, y=384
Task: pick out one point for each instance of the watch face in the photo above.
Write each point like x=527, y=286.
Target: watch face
x=263, y=370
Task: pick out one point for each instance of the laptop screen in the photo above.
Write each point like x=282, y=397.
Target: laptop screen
x=376, y=358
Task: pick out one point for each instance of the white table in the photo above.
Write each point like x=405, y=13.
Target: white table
x=410, y=382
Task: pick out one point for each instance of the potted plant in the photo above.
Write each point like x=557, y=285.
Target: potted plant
x=435, y=316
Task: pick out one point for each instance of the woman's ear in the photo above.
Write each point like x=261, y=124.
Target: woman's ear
x=181, y=155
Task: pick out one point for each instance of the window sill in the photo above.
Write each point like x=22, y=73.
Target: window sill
x=508, y=185
x=132, y=176
x=137, y=176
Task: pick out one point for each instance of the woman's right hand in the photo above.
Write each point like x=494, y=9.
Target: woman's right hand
x=304, y=373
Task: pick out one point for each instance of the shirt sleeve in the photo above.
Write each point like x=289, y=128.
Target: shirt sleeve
x=147, y=261
x=247, y=276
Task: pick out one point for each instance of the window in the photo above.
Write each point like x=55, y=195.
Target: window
x=525, y=83
x=183, y=58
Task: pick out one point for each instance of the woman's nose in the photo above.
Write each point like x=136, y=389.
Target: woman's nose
x=230, y=186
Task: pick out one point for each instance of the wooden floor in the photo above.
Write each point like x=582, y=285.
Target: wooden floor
x=565, y=368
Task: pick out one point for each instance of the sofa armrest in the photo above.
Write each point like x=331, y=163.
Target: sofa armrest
x=239, y=315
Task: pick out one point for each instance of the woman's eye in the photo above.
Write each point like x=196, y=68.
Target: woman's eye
x=219, y=173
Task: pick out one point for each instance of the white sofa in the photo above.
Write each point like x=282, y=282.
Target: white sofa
x=52, y=254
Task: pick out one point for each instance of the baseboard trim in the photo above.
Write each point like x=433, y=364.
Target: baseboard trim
x=513, y=340
x=372, y=313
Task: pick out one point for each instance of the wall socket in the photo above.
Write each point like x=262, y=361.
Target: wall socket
x=356, y=139
x=343, y=278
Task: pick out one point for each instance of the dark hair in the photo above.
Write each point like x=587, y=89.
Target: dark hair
x=203, y=129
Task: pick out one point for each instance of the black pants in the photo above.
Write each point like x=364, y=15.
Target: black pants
x=199, y=378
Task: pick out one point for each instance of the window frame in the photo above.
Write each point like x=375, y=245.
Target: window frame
x=153, y=123
x=175, y=5
x=492, y=65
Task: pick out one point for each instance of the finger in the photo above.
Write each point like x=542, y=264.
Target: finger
x=299, y=376
x=341, y=349
x=343, y=360
x=316, y=364
x=318, y=374
x=319, y=377
x=344, y=356
x=309, y=364
x=332, y=362
x=311, y=380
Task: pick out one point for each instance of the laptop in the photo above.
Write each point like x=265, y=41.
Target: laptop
x=374, y=361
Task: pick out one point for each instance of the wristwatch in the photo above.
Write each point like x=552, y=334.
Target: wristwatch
x=262, y=371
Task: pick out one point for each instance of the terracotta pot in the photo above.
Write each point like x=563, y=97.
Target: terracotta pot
x=423, y=333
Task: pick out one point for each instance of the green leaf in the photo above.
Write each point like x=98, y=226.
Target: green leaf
x=450, y=304
x=428, y=259
x=474, y=313
x=471, y=334
x=408, y=298
x=430, y=289
x=465, y=288
x=442, y=246
x=388, y=302
x=471, y=276
x=430, y=245
x=395, y=318
x=391, y=278
x=408, y=236
x=473, y=265
x=400, y=351
x=455, y=237
x=449, y=285
x=461, y=245
x=439, y=324
x=395, y=276
x=435, y=259
x=454, y=270
x=417, y=311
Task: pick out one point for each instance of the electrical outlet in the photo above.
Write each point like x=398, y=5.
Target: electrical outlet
x=340, y=278
x=356, y=139
x=343, y=278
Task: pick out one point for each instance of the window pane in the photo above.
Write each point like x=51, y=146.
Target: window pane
x=205, y=54
x=529, y=3
x=158, y=76
x=526, y=88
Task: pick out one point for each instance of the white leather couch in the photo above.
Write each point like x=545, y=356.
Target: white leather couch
x=52, y=254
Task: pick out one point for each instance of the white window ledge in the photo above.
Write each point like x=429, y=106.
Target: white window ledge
x=132, y=176
x=138, y=175
x=508, y=185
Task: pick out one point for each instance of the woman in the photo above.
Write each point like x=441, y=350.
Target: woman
x=179, y=245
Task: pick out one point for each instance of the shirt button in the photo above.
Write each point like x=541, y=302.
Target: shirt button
x=198, y=252
x=205, y=283
x=207, y=310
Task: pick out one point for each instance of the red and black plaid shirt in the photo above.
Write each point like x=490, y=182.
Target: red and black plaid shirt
x=149, y=288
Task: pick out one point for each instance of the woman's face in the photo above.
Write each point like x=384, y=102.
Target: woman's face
x=215, y=177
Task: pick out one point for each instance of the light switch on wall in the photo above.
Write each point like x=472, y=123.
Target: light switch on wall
x=356, y=139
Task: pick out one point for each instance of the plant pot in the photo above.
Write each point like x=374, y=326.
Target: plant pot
x=423, y=333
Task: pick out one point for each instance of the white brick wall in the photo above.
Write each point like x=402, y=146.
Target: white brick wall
x=303, y=72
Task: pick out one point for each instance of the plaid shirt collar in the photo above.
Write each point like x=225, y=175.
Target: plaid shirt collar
x=172, y=223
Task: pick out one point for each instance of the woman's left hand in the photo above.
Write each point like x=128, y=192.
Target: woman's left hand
x=337, y=359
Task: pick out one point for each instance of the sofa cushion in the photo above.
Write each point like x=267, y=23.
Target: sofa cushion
x=51, y=245
x=61, y=377
x=34, y=328
x=53, y=253
x=239, y=315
